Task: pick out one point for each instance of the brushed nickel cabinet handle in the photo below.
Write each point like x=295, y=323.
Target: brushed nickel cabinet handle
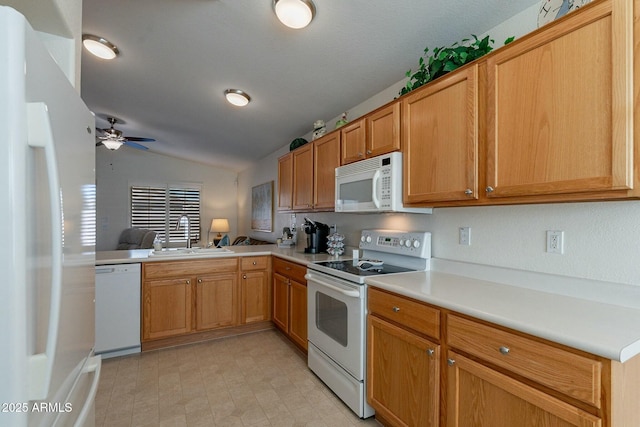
x=489, y=189
x=431, y=352
x=468, y=192
x=396, y=309
x=451, y=362
x=244, y=276
x=504, y=350
x=188, y=282
x=369, y=151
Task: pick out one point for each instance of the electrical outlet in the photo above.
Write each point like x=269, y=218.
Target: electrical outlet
x=464, y=236
x=555, y=241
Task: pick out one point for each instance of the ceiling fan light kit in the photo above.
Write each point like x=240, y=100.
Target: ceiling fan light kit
x=294, y=14
x=113, y=139
x=112, y=144
x=99, y=46
x=237, y=97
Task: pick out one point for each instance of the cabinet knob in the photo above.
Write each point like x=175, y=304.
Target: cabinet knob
x=504, y=350
x=287, y=268
x=255, y=263
x=244, y=276
x=489, y=189
x=368, y=151
x=431, y=352
x=396, y=309
x=359, y=154
x=188, y=282
x=468, y=192
x=199, y=280
x=451, y=362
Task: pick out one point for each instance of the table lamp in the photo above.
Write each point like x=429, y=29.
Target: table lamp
x=219, y=225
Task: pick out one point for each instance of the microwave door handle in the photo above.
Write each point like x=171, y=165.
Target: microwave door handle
x=376, y=182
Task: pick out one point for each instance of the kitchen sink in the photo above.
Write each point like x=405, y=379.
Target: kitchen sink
x=190, y=252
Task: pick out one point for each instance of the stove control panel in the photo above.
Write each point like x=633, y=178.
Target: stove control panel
x=409, y=243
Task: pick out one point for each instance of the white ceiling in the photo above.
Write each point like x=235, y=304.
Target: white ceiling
x=178, y=56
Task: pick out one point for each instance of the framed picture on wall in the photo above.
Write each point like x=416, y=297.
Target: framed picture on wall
x=262, y=207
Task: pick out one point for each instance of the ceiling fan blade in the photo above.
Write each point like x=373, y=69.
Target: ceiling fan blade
x=99, y=143
x=133, y=138
x=134, y=145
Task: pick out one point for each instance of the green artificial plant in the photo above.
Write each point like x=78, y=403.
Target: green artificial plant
x=446, y=59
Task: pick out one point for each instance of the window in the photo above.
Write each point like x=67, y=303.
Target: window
x=160, y=208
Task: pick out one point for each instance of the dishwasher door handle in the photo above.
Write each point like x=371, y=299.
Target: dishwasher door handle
x=105, y=270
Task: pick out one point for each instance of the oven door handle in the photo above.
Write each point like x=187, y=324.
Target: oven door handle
x=346, y=292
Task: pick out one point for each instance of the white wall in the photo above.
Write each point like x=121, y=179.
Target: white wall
x=602, y=240
x=117, y=170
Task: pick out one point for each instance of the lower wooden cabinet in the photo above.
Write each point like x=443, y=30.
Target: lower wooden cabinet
x=255, y=289
x=480, y=396
x=428, y=366
x=216, y=301
x=290, y=300
x=166, y=307
x=403, y=375
x=183, y=297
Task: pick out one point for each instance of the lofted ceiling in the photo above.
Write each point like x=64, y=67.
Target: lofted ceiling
x=178, y=57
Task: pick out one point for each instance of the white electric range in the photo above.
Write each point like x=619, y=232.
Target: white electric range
x=336, y=298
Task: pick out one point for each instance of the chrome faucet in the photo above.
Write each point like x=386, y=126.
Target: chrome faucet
x=188, y=229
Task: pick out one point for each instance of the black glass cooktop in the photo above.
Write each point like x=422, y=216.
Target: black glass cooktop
x=351, y=267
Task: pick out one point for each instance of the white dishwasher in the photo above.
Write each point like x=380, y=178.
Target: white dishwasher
x=117, y=309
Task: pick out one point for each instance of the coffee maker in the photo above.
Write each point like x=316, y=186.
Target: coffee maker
x=317, y=233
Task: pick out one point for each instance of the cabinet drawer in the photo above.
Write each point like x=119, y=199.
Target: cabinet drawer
x=254, y=263
x=409, y=313
x=291, y=270
x=569, y=373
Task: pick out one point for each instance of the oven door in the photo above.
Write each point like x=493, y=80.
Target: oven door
x=336, y=320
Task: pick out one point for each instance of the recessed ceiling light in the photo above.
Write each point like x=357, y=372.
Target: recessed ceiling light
x=237, y=97
x=100, y=47
x=294, y=14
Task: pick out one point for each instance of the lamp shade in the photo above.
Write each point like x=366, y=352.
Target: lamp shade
x=295, y=14
x=220, y=225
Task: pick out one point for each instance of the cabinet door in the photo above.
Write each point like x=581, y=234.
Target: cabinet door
x=559, y=108
x=285, y=182
x=440, y=139
x=303, y=177
x=353, y=141
x=326, y=159
x=298, y=313
x=216, y=301
x=280, y=311
x=403, y=374
x=255, y=296
x=383, y=130
x=479, y=396
x=166, y=308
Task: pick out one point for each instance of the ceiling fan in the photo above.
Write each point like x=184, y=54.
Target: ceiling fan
x=113, y=139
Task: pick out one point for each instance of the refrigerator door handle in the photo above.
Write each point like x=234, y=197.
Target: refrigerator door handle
x=41, y=136
x=94, y=364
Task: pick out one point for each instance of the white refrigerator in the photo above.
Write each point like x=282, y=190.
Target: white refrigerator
x=48, y=373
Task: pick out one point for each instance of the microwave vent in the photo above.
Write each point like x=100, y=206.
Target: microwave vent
x=368, y=164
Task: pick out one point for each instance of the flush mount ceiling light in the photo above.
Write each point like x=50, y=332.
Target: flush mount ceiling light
x=100, y=47
x=294, y=13
x=237, y=97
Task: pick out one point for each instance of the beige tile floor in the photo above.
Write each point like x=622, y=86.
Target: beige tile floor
x=257, y=379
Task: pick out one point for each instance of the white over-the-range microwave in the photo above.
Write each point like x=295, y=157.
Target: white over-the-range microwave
x=372, y=185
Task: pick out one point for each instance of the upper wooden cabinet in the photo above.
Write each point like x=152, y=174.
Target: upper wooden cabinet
x=559, y=109
x=326, y=158
x=440, y=139
x=306, y=176
x=303, y=177
x=373, y=135
x=285, y=182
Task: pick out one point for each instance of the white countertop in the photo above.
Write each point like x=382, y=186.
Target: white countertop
x=142, y=255
x=599, y=318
